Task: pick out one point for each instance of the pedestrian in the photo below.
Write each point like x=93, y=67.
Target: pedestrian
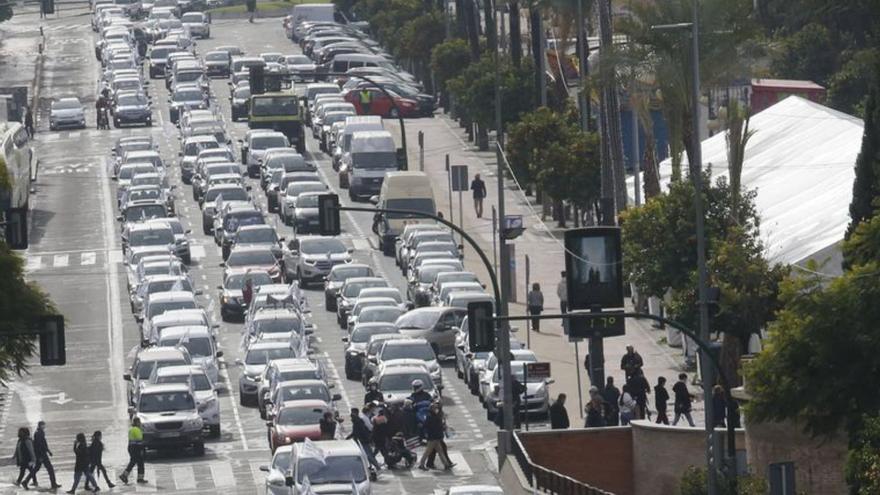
x=640, y=388
x=381, y=434
x=627, y=406
x=247, y=293
x=479, y=189
x=24, y=458
x=361, y=434
x=630, y=362
x=535, y=302
x=29, y=121
x=683, y=398
x=328, y=426
x=443, y=447
x=365, y=97
x=518, y=391
x=661, y=397
x=595, y=410
x=562, y=293
x=135, y=452
x=611, y=396
x=719, y=407
x=558, y=414
x=434, y=435
x=81, y=464
x=251, y=8
x=41, y=449
x=96, y=460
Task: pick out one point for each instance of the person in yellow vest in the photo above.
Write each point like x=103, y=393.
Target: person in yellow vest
x=366, y=98
x=135, y=452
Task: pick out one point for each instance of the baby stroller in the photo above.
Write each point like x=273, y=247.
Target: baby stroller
x=397, y=451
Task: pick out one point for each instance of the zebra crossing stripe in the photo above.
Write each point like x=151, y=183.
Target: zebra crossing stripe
x=184, y=478
x=150, y=476
x=222, y=475
x=60, y=260
x=88, y=258
x=34, y=263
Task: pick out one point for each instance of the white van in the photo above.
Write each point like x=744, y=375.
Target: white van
x=373, y=154
x=342, y=62
x=401, y=191
x=353, y=124
x=313, y=12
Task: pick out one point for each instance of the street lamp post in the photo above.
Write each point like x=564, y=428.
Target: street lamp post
x=696, y=169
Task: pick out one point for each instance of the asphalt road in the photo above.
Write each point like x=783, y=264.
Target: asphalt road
x=76, y=257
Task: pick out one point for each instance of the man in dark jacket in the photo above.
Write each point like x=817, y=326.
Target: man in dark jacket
x=361, y=433
x=683, y=398
x=611, y=395
x=558, y=414
x=42, y=452
x=630, y=363
x=640, y=388
x=661, y=397
x=434, y=434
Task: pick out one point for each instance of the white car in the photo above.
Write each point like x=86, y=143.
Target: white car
x=204, y=390
x=67, y=112
x=197, y=23
x=277, y=471
x=342, y=463
x=199, y=341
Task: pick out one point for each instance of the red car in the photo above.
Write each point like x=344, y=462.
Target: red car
x=295, y=421
x=380, y=104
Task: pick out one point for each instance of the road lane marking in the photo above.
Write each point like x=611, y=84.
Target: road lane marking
x=232, y=400
x=197, y=252
x=88, y=258
x=184, y=478
x=34, y=263
x=222, y=474
x=114, y=256
x=60, y=260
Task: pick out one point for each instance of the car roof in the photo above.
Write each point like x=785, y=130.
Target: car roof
x=159, y=353
x=276, y=313
x=333, y=448
x=180, y=314
x=404, y=370
x=304, y=403
x=268, y=344
x=285, y=364
x=158, y=388
x=351, y=265
x=260, y=226
x=179, y=370
x=407, y=341
x=147, y=226
x=304, y=383
x=191, y=330
x=169, y=296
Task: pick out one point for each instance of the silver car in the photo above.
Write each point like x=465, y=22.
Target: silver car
x=67, y=113
x=198, y=24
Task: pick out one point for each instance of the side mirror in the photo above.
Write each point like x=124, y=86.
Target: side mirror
x=131, y=411
x=114, y=178
x=239, y=362
x=219, y=354
x=119, y=218
x=374, y=200
x=269, y=423
x=288, y=480
x=549, y=381
x=222, y=264
x=126, y=377
x=336, y=397
x=220, y=287
x=198, y=292
x=441, y=357
x=264, y=468
x=344, y=339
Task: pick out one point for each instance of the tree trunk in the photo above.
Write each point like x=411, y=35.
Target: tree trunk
x=460, y=17
x=651, y=176
x=515, y=34
x=559, y=209
x=490, y=30
x=482, y=137
x=471, y=22
x=537, y=51
x=731, y=352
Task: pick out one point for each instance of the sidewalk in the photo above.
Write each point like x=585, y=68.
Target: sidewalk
x=546, y=258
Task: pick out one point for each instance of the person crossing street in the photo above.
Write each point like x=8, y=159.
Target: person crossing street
x=135, y=452
x=42, y=452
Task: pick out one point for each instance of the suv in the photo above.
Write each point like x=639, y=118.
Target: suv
x=310, y=259
x=356, y=345
x=189, y=151
x=204, y=389
x=348, y=294
x=147, y=361
x=342, y=463
x=337, y=276
x=169, y=416
x=255, y=144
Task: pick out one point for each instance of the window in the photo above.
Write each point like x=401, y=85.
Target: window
x=274, y=105
x=176, y=401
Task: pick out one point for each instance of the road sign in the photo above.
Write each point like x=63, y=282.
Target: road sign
x=589, y=325
x=538, y=371
x=459, y=178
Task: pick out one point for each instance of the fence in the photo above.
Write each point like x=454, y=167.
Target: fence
x=546, y=480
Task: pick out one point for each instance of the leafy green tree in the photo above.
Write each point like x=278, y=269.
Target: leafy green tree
x=807, y=54
x=863, y=461
x=418, y=37
x=848, y=87
x=863, y=246
x=866, y=187
x=448, y=60
x=22, y=304
x=6, y=12
x=694, y=482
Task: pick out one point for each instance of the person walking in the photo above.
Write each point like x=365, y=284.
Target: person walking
x=719, y=407
x=630, y=363
x=328, y=426
x=611, y=395
x=627, y=406
x=24, y=457
x=81, y=464
x=365, y=97
x=96, y=460
x=443, y=447
x=558, y=414
x=135, y=452
x=41, y=449
x=252, y=9
x=683, y=398
x=640, y=388
x=361, y=434
x=535, y=302
x=595, y=410
x=661, y=397
x=434, y=435
x=479, y=189
x=29, y=121
x=562, y=293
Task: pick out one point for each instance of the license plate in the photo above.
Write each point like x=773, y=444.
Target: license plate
x=170, y=434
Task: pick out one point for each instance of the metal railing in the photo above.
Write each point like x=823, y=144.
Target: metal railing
x=549, y=481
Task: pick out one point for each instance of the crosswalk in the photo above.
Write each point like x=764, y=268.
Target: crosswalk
x=49, y=137
x=43, y=261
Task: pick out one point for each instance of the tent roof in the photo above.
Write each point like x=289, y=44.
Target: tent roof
x=800, y=161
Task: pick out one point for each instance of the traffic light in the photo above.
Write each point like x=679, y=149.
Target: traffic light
x=257, y=80
x=328, y=214
x=481, y=326
x=52, y=349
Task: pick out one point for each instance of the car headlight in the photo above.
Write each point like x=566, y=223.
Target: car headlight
x=194, y=423
x=354, y=353
x=310, y=262
x=146, y=426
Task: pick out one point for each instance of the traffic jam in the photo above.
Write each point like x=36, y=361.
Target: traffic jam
x=232, y=297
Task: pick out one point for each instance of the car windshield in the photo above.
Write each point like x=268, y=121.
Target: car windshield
x=242, y=93
x=307, y=201
x=419, y=319
x=363, y=334
x=352, y=290
x=299, y=392
x=214, y=56
x=251, y=258
x=188, y=95
x=169, y=285
x=518, y=373
x=132, y=100
x=322, y=246
x=255, y=236
x=128, y=172
x=296, y=188
x=281, y=461
x=273, y=105
x=263, y=356
x=228, y=194
x=163, y=402
x=197, y=346
x=302, y=374
x=375, y=159
x=233, y=222
x=199, y=382
x=297, y=416
x=385, y=315
x=161, y=52
x=236, y=282
x=144, y=212
x=334, y=117
x=161, y=307
x=281, y=325
x=333, y=469
x=192, y=17
x=423, y=205
x=146, y=180
x=408, y=351
x=289, y=162
x=152, y=237
x=403, y=381
x=189, y=76
x=342, y=273
x=297, y=59
x=67, y=104
x=263, y=142
x=145, y=368
x=153, y=193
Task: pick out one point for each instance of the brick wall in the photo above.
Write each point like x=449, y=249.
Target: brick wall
x=601, y=457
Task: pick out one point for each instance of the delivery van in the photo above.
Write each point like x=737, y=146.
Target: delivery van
x=401, y=191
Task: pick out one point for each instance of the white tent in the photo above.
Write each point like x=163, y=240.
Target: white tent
x=801, y=163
